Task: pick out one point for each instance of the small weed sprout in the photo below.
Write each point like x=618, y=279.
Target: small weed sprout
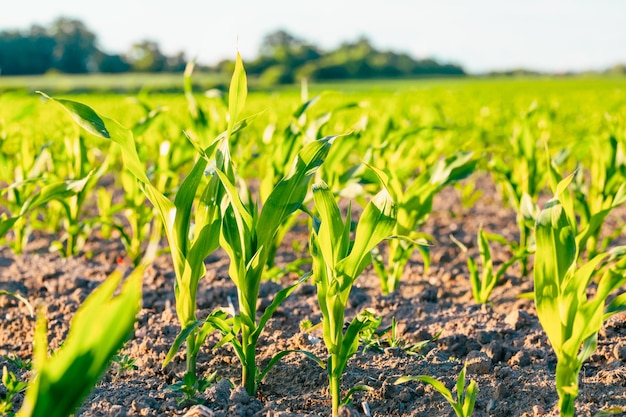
x=463, y=405
x=13, y=387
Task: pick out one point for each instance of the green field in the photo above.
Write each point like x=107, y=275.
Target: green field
x=235, y=171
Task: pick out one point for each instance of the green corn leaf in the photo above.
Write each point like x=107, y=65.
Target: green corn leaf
x=107, y=128
x=331, y=230
x=178, y=342
x=376, y=223
x=99, y=328
x=276, y=358
x=460, y=384
x=348, y=397
x=6, y=223
x=475, y=282
x=184, y=201
x=617, y=305
x=56, y=191
x=40, y=340
x=429, y=380
x=555, y=256
x=290, y=192
x=277, y=301
x=217, y=320
x=469, y=399
x=237, y=94
x=350, y=342
x=21, y=298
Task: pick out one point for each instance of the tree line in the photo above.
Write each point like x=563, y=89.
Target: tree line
x=68, y=46
x=284, y=58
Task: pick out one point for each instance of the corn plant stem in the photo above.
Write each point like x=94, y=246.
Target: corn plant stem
x=248, y=365
x=335, y=330
x=592, y=246
x=567, y=370
x=566, y=405
x=523, y=242
x=19, y=228
x=398, y=258
x=190, y=359
x=334, y=383
x=71, y=244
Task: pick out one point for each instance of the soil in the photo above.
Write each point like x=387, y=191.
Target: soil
x=503, y=344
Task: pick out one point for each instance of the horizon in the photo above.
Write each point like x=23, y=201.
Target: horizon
x=553, y=36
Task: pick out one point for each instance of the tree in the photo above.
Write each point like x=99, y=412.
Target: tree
x=146, y=56
x=111, y=63
x=26, y=53
x=75, y=45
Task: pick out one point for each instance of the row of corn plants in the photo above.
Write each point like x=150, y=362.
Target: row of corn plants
x=203, y=196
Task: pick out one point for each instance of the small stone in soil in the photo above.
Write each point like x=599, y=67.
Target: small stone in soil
x=478, y=362
x=518, y=319
x=494, y=350
x=521, y=358
x=348, y=412
x=240, y=396
x=619, y=351
x=219, y=393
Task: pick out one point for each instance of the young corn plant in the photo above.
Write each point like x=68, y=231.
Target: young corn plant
x=521, y=175
x=13, y=387
x=142, y=221
x=76, y=164
x=192, y=235
x=37, y=198
x=337, y=263
x=483, y=282
x=24, y=174
x=599, y=192
x=280, y=150
x=248, y=235
x=571, y=320
x=98, y=330
x=463, y=405
x=415, y=203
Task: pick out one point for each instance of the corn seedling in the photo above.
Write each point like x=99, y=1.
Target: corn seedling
x=21, y=298
x=13, y=387
x=247, y=236
x=520, y=174
x=189, y=246
x=24, y=174
x=55, y=191
x=191, y=386
x=570, y=320
x=121, y=364
x=414, y=202
x=337, y=263
x=463, y=405
x=76, y=165
x=391, y=338
x=597, y=194
x=98, y=330
x=483, y=283
x=19, y=363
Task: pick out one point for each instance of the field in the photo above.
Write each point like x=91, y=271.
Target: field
x=284, y=250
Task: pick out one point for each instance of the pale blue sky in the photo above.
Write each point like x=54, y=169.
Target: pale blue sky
x=555, y=35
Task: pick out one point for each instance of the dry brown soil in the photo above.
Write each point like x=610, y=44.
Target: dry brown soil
x=507, y=353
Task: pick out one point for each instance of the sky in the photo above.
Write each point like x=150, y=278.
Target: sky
x=480, y=35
